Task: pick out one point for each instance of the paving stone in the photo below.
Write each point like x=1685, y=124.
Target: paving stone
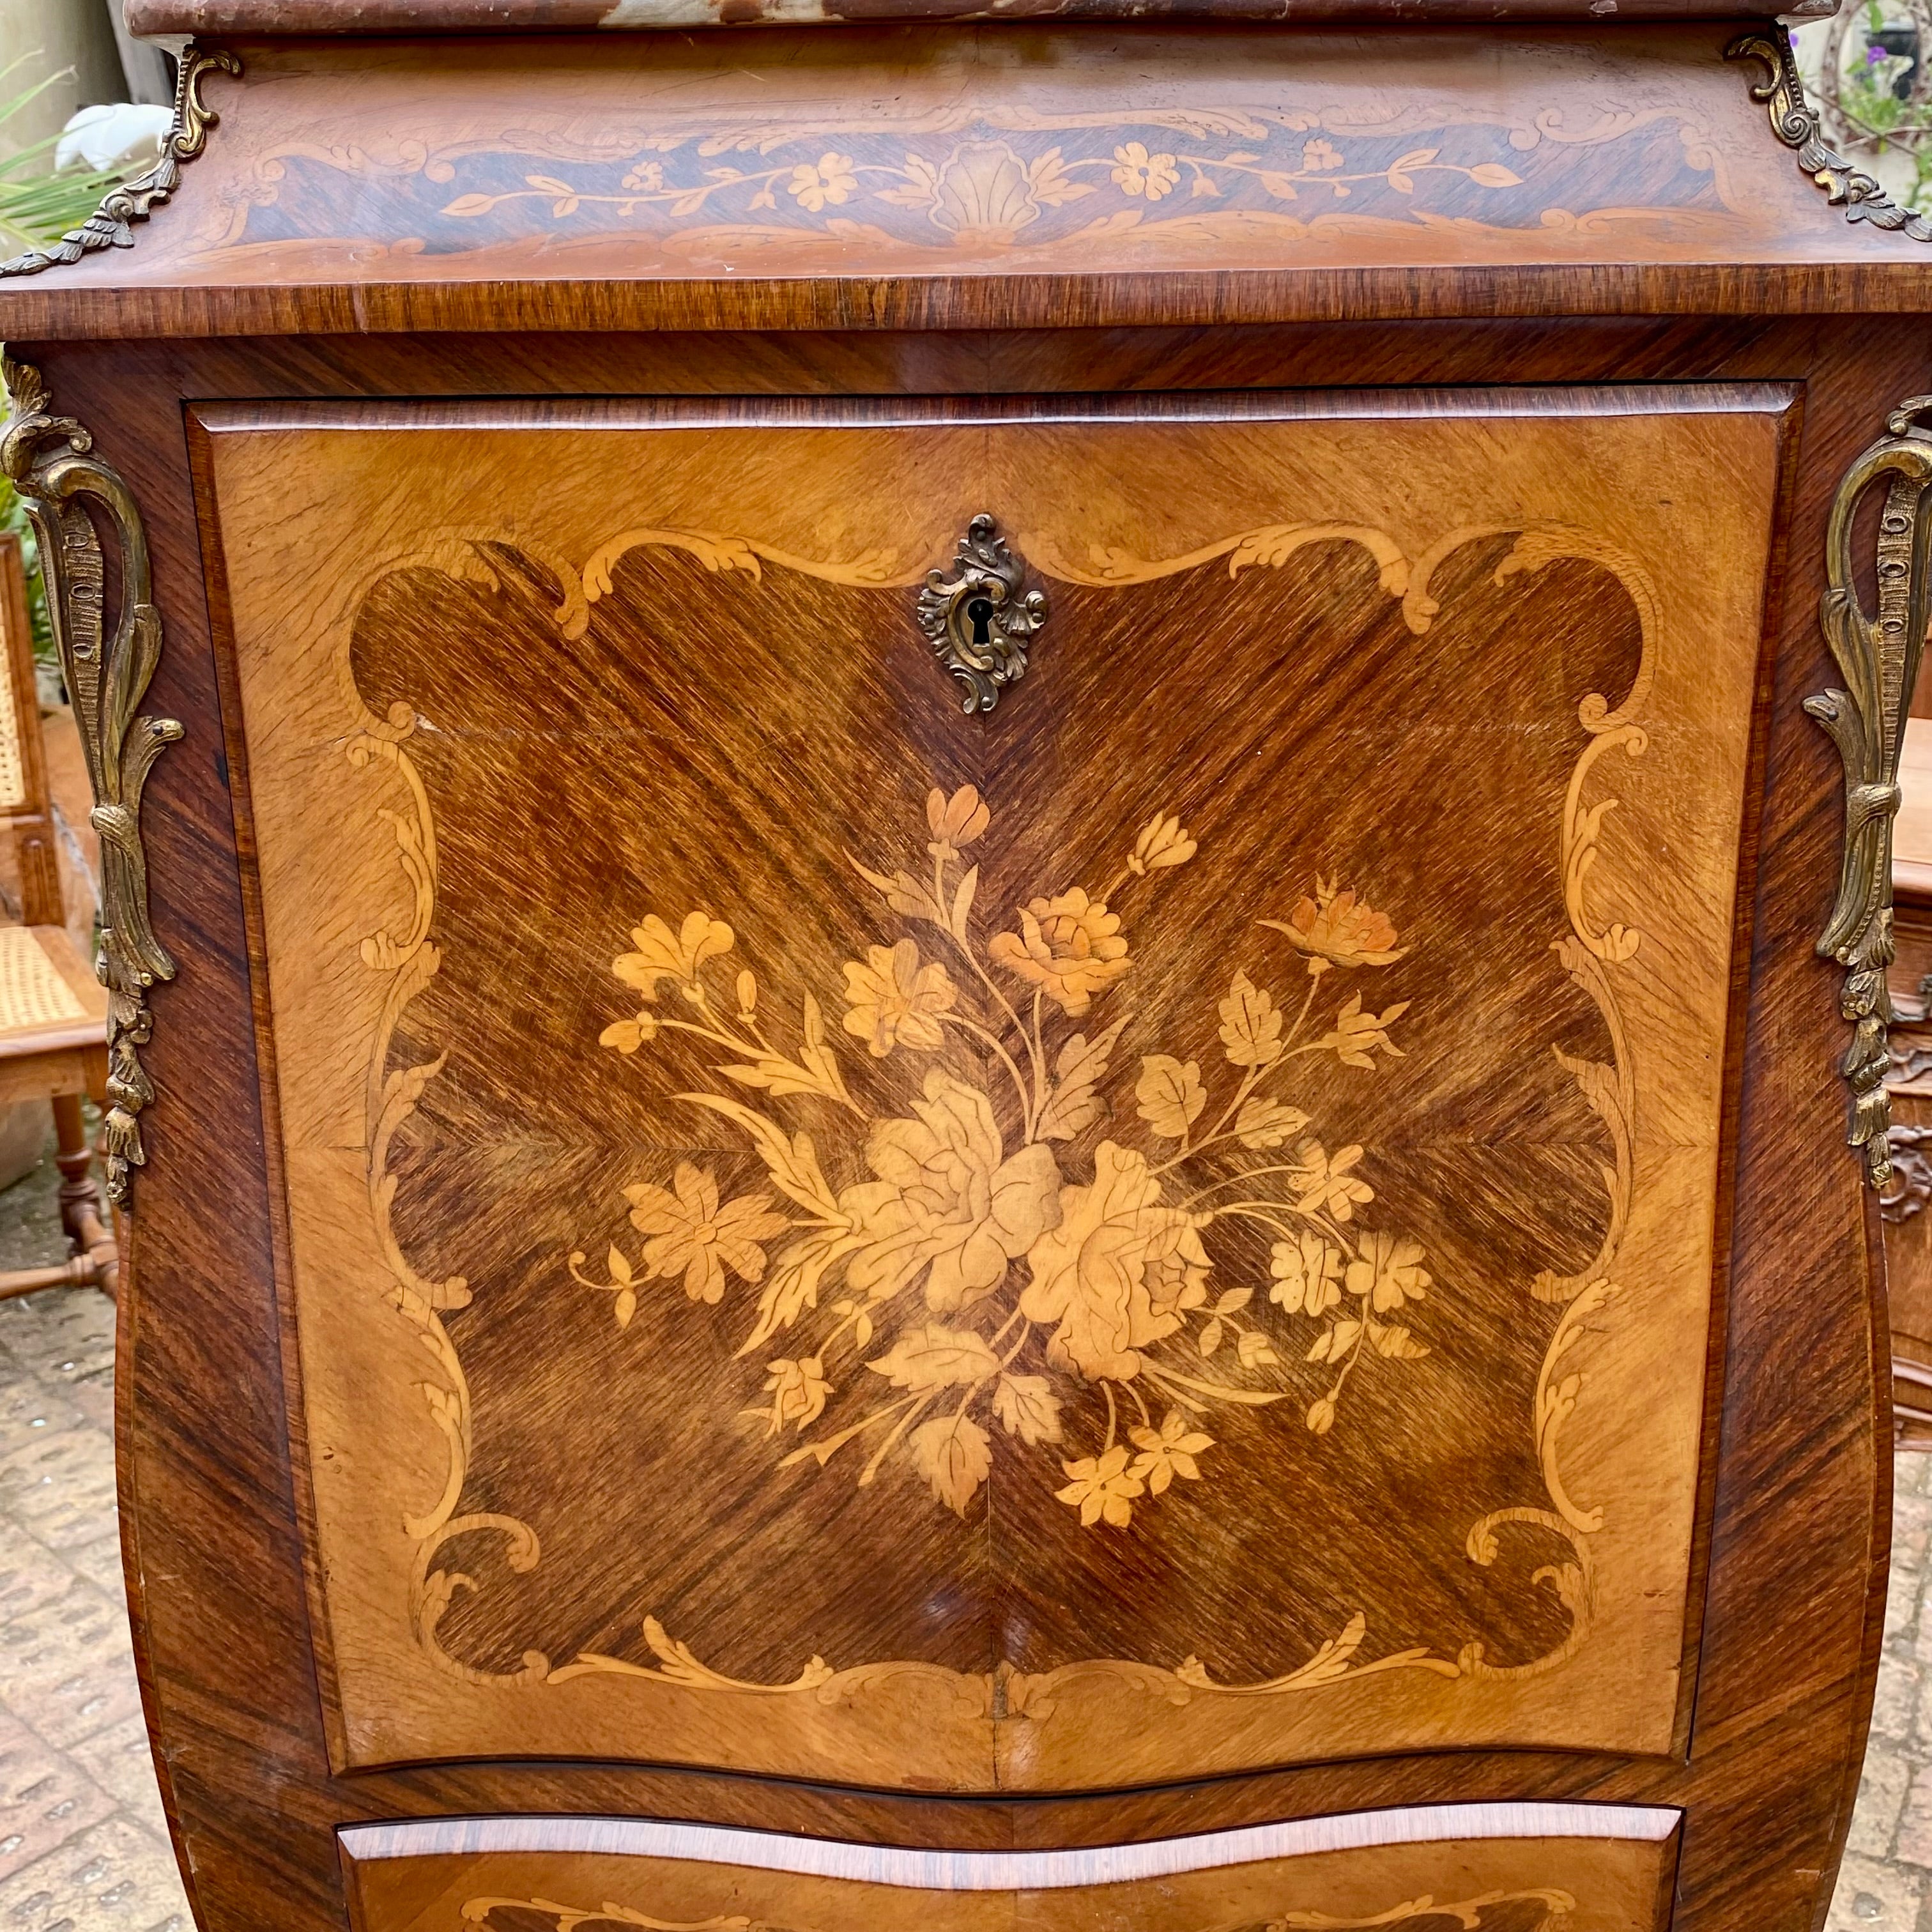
x=64, y=1334
x=99, y=1562
x=67, y=1668
x=1872, y=1896
x=1895, y=1706
x=93, y=1397
x=31, y=1575
x=1914, y=1837
x=119, y=1761
x=1911, y=1524
x=83, y=1842
x=45, y=1798
x=30, y=1411
x=114, y=1878
x=1882, y=1792
x=1901, y=1604
x=61, y=1488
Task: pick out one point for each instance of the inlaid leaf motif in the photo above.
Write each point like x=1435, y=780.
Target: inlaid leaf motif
x=625, y=1306
x=1051, y=184
x=1251, y=1025
x=1171, y=1095
x=1074, y=1102
x=994, y=1282
x=936, y=1357
x=1358, y=1035
x=1395, y=1340
x=793, y=1286
x=798, y=1390
x=1329, y=1184
x=1028, y=1407
x=1332, y=1344
x=1399, y=176
x=954, y=1454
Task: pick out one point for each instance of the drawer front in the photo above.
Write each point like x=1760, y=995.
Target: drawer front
x=1162, y=1224
x=1536, y=1867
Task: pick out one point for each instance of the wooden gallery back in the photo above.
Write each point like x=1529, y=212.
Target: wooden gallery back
x=997, y=912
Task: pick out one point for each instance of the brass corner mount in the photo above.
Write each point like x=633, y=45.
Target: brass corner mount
x=1878, y=652
x=63, y=486
x=1796, y=123
x=110, y=226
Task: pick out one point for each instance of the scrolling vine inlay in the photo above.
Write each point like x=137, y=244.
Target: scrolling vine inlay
x=989, y=1288
x=1538, y=1908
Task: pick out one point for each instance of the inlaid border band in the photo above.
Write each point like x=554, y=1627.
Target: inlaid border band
x=1004, y=1871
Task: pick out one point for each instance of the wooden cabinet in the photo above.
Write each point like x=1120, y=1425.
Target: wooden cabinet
x=968, y=1013
x=1007, y=1171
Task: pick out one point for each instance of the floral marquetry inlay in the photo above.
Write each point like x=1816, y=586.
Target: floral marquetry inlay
x=843, y=1237
x=981, y=1293
x=963, y=182
x=1063, y=1245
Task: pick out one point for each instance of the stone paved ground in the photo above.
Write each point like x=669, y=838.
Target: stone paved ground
x=83, y=1846
x=1885, y=1883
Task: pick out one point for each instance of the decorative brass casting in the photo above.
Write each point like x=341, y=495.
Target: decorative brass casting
x=1909, y=1189
x=1794, y=121
x=63, y=485
x=1879, y=654
x=979, y=620
x=109, y=226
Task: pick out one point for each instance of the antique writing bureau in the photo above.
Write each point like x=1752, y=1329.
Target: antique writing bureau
x=998, y=926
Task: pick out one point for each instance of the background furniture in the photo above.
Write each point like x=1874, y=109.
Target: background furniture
x=985, y=989
x=53, y=1011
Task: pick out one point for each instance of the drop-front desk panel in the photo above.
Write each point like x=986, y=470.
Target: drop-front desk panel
x=970, y=1034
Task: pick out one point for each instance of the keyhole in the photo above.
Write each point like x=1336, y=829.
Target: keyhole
x=979, y=614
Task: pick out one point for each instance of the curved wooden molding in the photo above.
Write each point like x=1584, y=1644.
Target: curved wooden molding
x=1004, y=1871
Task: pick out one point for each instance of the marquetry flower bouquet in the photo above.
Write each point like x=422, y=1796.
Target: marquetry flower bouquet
x=984, y=1286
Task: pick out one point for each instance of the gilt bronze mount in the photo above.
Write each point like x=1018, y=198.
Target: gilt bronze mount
x=1878, y=652
x=980, y=621
x=63, y=486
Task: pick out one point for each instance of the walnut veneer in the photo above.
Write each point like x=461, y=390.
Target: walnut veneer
x=965, y=998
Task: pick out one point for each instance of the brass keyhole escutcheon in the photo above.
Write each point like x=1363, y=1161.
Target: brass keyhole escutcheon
x=979, y=620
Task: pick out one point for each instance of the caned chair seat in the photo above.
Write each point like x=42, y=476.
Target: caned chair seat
x=49, y=1000
x=53, y=1018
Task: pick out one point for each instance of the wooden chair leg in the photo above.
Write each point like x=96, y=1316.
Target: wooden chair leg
x=81, y=1209
x=96, y=1261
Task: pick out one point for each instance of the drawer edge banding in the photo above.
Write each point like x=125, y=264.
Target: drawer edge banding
x=1002, y=1871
